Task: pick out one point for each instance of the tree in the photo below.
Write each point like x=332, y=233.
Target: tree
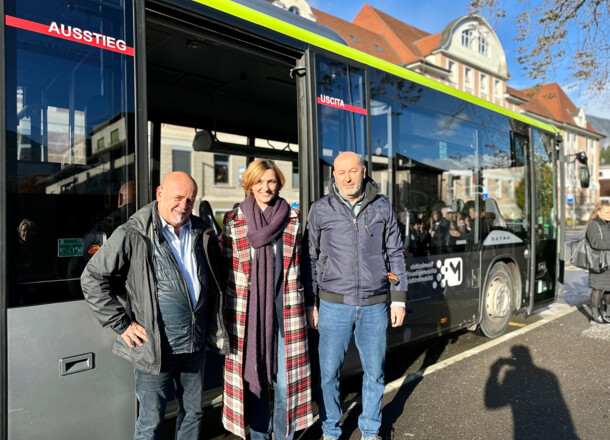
x=551, y=30
x=604, y=155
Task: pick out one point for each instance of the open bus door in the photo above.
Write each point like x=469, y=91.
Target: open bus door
x=217, y=99
x=68, y=179
x=543, y=267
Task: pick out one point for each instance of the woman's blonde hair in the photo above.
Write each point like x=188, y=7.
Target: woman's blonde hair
x=255, y=171
x=598, y=206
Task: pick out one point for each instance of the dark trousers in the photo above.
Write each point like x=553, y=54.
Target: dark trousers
x=181, y=377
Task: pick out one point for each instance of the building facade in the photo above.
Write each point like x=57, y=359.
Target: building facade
x=468, y=55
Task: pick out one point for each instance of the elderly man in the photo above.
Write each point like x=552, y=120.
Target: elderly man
x=165, y=263
x=356, y=255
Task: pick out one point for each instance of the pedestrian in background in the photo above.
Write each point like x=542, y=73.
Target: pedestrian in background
x=356, y=259
x=598, y=235
x=165, y=261
x=261, y=245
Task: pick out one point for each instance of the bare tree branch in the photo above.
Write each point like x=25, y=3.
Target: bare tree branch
x=575, y=33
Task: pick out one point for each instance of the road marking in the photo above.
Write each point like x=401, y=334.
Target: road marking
x=517, y=324
x=393, y=386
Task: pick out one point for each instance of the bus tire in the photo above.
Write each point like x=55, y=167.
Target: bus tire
x=497, y=297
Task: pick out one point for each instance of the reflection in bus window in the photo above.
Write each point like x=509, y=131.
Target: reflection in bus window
x=341, y=101
x=69, y=144
x=444, y=174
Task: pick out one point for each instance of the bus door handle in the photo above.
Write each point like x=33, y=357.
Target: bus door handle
x=76, y=364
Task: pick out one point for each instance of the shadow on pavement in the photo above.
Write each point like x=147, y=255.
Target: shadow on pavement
x=533, y=394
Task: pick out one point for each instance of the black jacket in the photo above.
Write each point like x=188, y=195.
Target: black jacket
x=598, y=234
x=119, y=284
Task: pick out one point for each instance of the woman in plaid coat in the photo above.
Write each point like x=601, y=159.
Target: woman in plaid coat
x=261, y=244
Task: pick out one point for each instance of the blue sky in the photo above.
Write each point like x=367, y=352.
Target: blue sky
x=433, y=16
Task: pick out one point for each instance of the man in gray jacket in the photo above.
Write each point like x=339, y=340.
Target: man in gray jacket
x=356, y=256
x=156, y=283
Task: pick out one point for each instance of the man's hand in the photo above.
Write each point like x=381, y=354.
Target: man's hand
x=136, y=333
x=312, y=318
x=397, y=316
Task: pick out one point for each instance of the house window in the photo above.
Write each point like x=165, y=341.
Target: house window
x=181, y=160
x=498, y=189
x=483, y=85
x=467, y=76
x=378, y=48
x=221, y=169
x=511, y=190
x=294, y=10
x=100, y=144
x=468, y=186
x=482, y=46
x=497, y=88
x=295, y=175
x=114, y=136
x=466, y=38
x=354, y=39
x=451, y=68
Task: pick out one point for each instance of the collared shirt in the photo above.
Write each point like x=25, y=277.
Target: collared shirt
x=355, y=208
x=182, y=249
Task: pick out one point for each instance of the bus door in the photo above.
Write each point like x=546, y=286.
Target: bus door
x=68, y=181
x=216, y=104
x=544, y=221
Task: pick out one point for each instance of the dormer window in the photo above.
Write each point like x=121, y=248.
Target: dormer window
x=482, y=46
x=466, y=38
x=294, y=10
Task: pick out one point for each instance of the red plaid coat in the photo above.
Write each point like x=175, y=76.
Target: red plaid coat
x=236, y=253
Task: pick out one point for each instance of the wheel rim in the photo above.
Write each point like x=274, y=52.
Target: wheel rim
x=499, y=298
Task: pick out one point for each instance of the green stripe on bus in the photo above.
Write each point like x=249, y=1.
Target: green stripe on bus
x=292, y=31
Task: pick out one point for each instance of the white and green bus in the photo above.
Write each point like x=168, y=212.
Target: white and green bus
x=101, y=98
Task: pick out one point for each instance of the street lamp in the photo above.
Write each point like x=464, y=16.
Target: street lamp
x=583, y=171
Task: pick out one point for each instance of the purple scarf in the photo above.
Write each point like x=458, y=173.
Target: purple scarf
x=260, y=360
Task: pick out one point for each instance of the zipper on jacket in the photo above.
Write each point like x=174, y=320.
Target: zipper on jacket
x=366, y=223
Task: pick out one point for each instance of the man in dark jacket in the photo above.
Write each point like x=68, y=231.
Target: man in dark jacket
x=156, y=283
x=356, y=256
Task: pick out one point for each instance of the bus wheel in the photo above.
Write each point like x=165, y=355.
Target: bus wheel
x=498, y=301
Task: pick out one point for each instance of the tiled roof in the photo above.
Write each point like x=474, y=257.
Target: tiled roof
x=399, y=34
x=365, y=40
x=551, y=101
x=427, y=44
x=517, y=93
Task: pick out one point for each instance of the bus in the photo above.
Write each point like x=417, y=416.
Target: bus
x=102, y=98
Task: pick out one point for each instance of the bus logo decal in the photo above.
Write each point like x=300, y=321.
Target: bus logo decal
x=340, y=104
x=450, y=272
x=70, y=33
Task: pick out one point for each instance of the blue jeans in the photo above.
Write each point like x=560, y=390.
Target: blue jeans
x=181, y=377
x=336, y=323
x=258, y=411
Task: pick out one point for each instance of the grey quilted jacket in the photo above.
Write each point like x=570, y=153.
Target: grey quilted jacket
x=119, y=285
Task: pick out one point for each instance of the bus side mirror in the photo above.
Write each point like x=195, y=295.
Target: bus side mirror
x=584, y=176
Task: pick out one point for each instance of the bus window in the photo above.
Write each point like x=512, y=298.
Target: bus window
x=340, y=91
x=70, y=146
x=425, y=162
